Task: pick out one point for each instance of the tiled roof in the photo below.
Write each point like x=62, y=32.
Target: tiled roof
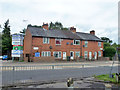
x=36, y=31
x=88, y=36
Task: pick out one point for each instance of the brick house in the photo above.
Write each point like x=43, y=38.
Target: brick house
x=44, y=44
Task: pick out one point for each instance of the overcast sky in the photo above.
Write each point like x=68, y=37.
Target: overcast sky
x=85, y=15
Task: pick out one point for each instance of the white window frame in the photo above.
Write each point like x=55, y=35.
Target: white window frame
x=77, y=52
x=46, y=40
x=59, y=56
x=57, y=39
x=75, y=42
x=99, y=44
x=86, y=43
x=85, y=54
x=99, y=53
x=46, y=53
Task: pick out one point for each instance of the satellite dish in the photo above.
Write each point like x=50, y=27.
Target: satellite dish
x=50, y=47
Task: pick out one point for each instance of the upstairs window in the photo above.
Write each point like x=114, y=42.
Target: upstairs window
x=76, y=42
x=86, y=43
x=46, y=40
x=58, y=41
x=99, y=44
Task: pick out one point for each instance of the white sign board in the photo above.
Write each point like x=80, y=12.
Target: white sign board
x=17, y=37
x=35, y=48
x=17, y=42
x=101, y=48
x=17, y=51
x=14, y=55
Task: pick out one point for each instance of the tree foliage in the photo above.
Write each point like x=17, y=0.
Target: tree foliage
x=23, y=31
x=57, y=26
x=109, y=51
x=107, y=40
x=6, y=39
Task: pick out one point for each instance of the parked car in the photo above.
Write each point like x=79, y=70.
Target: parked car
x=5, y=57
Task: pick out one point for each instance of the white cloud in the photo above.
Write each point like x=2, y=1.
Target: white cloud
x=83, y=14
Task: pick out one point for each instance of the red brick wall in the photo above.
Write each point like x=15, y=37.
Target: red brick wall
x=92, y=47
x=27, y=44
x=38, y=42
x=30, y=42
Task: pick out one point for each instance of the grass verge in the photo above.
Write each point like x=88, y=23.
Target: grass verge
x=106, y=77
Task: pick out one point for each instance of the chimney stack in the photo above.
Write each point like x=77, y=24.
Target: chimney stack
x=92, y=32
x=45, y=26
x=72, y=29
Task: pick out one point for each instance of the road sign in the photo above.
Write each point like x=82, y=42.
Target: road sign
x=17, y=47
x=37, y=54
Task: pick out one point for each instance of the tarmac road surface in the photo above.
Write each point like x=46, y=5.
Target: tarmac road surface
x=15, y=77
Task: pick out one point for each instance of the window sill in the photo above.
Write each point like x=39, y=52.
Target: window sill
x=75, y=44
x=58, y=44
x=45, y=43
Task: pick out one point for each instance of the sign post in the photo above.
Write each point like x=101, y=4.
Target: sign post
x=17, y=42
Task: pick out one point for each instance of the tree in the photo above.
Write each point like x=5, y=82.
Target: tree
x=51, y=25
x=105, y=44
x=57, y=26
x=107, y=40
x=114, y=45
x=23, y=31
x=110, y=51
x=6, y=39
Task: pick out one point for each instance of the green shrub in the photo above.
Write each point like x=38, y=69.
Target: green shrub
x=109, y=52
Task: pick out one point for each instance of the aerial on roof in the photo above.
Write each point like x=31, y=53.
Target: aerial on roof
x=37, y=31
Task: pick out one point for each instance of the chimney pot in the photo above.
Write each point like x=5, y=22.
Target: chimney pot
x=45, y=26
x=72, y=29
x=92, y=32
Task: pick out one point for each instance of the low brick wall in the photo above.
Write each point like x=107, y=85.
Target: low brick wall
x=43, y=59
x=103, y=58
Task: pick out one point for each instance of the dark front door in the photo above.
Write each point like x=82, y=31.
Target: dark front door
x=28, y=55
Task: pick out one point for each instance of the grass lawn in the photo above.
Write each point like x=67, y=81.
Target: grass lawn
x=106, y=77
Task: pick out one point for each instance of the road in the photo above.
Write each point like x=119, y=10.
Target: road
x=10, y=77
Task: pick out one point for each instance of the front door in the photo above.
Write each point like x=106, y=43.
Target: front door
x=71, y=55
x=90, y=55
x=64, y=55
x=95, y=55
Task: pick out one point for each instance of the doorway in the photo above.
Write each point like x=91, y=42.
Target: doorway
x=71, y=55
x=95, y=55
x=64, y=55
x=90, y=55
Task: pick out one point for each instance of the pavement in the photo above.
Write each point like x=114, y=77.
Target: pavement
x=69, y=69
x=89, y=82
x=8, y=65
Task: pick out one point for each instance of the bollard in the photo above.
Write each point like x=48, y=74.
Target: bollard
x=117, y=77
x=70, y=82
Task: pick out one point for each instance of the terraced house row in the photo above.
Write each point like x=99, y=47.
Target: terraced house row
x=40, y=43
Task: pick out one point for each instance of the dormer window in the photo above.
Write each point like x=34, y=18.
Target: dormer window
x=76, y=42
x=45, y=40
x=58, y=41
